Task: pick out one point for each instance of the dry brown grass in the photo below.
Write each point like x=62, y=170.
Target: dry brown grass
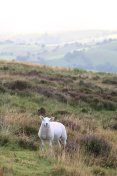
x=67, y=165
x=109, y=135
x=1, y=172
x=34, y=65
x=71, y=162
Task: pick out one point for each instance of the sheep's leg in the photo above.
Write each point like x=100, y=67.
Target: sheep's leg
x=50, y=144
x=64, y=142
x=58, y=143
x=42, y=141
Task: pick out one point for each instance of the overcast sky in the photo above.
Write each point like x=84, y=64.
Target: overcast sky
x=57, y=15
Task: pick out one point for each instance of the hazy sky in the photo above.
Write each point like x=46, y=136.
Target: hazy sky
x=57, y=15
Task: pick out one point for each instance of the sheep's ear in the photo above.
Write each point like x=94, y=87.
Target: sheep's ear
x=41, y=117
x=52, y=118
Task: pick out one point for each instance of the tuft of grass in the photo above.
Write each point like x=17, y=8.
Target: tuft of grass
x=64, y=172
x=99, y=171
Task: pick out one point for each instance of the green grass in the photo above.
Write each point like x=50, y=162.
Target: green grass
x=23, y=162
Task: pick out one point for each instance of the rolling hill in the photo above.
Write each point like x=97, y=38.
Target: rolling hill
x=100, y=57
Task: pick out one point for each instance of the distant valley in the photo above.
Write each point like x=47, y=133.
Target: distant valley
x=91, y=50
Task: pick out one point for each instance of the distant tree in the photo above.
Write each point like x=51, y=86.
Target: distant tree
x=43, y=46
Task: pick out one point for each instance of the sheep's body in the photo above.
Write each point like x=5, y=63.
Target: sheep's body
x=54, y=131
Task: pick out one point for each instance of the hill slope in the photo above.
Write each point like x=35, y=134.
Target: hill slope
x=85, y=102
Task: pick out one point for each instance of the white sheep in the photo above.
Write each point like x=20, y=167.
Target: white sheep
x=51, y=131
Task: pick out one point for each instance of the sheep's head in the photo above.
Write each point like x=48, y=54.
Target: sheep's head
x=46, y=121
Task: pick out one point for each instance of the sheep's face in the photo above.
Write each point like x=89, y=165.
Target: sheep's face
x=46, y=121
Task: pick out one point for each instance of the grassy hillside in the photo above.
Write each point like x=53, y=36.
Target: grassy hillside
x=85, y=102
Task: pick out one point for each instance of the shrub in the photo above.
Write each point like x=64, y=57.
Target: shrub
x=42, y=81
x=109, y=81
x=30, y=130
x=27, y=130
x=70, y=124
x=41, y=111
x=95, y=145
x=84, y=110
x=81, y=83
x=2, y=89
x=106, y=105
x=28, y=143
x=114, y=126
x=19, y=85
x=109, y=105
x=61, y=112
x=4, y=139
